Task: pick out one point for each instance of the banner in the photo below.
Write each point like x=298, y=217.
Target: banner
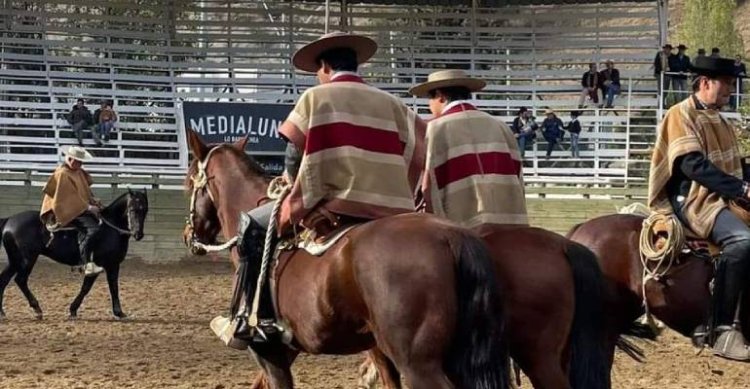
x=219, y=122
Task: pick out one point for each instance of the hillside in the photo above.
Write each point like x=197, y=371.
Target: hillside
x=742, y=21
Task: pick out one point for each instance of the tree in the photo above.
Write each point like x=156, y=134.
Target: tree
x=710, y=23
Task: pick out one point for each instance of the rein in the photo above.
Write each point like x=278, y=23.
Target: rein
x=200, y=181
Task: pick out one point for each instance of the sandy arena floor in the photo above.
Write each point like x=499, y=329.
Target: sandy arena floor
x=167, y=344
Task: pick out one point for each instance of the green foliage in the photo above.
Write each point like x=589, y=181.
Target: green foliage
x=710, y=23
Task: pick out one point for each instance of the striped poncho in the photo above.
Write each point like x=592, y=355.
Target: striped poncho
x=473, y=169
x=362, y=152
x=686, y=129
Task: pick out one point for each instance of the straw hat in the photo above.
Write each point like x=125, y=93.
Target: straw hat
x=305, y=59
x=445, y=79
x=78, y=153
x=549, y=111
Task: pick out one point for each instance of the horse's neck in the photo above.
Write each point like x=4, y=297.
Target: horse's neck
x=236, y=197
x=115, y=212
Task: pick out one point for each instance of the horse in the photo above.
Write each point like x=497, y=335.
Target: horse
x=550, y=285
x=681, y=298
x=25, y=238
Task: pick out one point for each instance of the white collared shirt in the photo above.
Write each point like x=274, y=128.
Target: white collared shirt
x=453, y=104
x=342, y=73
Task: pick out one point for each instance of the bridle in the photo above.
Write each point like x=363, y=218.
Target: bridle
x=200, y=181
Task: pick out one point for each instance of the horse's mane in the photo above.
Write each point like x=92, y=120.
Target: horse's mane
x=114, y=202
x=251, y=163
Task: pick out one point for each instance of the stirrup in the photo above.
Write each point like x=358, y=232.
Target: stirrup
x=731, y=344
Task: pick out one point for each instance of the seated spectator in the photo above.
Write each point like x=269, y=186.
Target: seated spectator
x=701, y=53
x=715, y=52
x=106, y=118
x=524, y=128
x=590, y=84
x=80, y=119
x=552, y=130
x=610, y=79
x=574, y=128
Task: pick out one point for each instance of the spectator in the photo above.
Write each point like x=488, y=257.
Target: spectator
x=574, y=128
x=661, y=65
x=701, y=53
x=680, y=63
x=80, y=119
x=715, y=52
x=610, y=79
x=590, y=84
x=106, y=119
x=552, y=130
x=524, y=128
x=740, y=72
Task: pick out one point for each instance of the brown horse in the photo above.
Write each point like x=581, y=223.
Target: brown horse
x=550, y=285
x=680, y=299
x=420, y=289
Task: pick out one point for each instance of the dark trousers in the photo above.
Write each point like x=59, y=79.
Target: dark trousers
x=87, y=225
x=732, y=273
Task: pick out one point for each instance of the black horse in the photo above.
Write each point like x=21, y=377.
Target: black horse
x=25, y=238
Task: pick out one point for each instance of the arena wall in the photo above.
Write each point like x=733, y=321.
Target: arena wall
x=168, y=210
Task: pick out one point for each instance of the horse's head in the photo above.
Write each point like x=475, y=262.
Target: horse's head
x=137, y=210
x=213, y=167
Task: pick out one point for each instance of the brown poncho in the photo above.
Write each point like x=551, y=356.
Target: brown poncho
x=67, y=195
x=686, y=129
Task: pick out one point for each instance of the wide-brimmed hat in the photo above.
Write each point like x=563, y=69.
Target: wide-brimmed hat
x=306, y=58
x=713, y=67
x=667, y=45
x=446, y=79
x=549, y=111
x=78, y=153
x=682, y=47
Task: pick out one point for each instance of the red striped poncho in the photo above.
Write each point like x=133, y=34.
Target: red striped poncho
x=362, y=152
x=473, y=171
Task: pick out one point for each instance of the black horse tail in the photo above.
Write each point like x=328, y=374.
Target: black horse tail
x=479, y=355
x=2, y=224
x=589, y=366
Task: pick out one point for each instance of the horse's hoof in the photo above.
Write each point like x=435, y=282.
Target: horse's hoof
x=120, y=316
x=3, y=317
x=39, y=317
x=72, y=317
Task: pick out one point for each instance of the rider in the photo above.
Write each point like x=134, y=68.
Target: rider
x=68, y=201
x=695, y=172
x=357, y=152
x=473, y=172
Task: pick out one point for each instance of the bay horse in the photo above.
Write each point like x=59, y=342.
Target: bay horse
x=421, y=289
x=680, y=299
x=550, y=286
x=26, y=238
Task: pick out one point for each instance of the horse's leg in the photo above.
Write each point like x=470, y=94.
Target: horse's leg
x=276, y=363
x=5, y=276
x=22, y=280
x=88, y=282
x=378, y=364
x=113, y=276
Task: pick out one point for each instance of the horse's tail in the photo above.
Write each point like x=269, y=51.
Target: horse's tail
x=479, y=355
x=588, y=361
x=2, y=224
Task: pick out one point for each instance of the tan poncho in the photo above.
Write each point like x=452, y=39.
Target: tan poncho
x=686, y=129
x=67, y=195
x=362, y=152
x=473, y=171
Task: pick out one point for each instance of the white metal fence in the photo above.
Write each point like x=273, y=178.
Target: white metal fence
x=148, y=55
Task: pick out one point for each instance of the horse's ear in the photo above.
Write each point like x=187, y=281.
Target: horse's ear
x=241, y=143
x=196, y=145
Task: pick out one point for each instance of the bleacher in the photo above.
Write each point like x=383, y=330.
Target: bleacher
x=149, y=58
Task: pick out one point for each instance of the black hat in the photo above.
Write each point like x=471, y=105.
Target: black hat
x=713, y=67
x=681, y=47
x=576, y=113
x=667, y=45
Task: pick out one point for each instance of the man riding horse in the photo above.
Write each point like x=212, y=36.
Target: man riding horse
x=68, y=201
x=354, y=153
x=695, y=174
x=473, y=170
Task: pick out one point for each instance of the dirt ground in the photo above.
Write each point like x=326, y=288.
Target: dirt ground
x=166, y=343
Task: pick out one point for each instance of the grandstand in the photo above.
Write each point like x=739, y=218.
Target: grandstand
x=149, y=55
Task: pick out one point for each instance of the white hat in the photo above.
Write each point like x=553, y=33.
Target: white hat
x=445, y=79
x=306, y=58
x=78, y=153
